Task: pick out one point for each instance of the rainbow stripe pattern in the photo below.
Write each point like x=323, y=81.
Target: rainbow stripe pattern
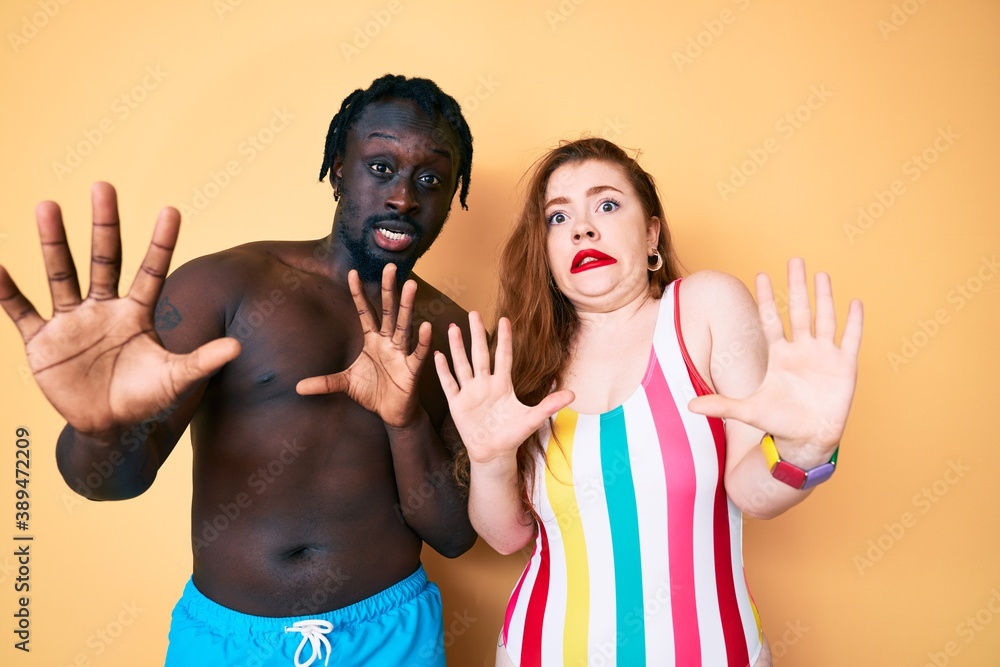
x=638, y=559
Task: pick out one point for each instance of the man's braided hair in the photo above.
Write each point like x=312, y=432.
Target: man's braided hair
x=425, y=93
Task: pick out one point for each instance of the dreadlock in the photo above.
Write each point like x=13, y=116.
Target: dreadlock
x=425, y=93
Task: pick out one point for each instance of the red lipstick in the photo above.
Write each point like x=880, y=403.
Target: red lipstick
x=590, y=259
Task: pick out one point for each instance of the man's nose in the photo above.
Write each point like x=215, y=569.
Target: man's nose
x=401, y=198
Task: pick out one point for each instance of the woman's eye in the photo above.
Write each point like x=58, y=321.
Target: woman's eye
x=608, y=206
x=557, y=218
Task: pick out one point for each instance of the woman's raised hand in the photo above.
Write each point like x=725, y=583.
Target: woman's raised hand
x=807, y=389
x=488, y=415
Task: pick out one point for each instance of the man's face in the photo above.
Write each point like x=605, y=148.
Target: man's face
x=397, y=177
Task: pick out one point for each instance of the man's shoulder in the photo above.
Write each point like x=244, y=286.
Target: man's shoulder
x=240, y=265
x=432, y=302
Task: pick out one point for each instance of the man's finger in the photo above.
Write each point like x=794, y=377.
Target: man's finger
x=106, y=243
x=423, y=346
x=18, y=308
x=368, y=323
x=153, y=271
x=322, y=384
x=204, y=361
x=389, y=308
x=404, y=320
x=63, y=281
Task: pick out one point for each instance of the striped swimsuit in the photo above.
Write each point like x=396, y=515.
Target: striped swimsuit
x=638, y=558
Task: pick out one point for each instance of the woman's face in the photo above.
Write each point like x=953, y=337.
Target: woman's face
x=598, y=235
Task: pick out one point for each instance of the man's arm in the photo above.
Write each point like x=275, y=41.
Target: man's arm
x=430, y=501
x=385, y=380
x=190, y=312
x=99, y=361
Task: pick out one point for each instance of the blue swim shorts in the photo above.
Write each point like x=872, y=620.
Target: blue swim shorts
x=401, y=626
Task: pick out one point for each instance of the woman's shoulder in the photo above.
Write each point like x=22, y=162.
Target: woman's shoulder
x=711, y=289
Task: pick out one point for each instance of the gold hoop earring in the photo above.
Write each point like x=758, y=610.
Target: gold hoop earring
x=659, y=261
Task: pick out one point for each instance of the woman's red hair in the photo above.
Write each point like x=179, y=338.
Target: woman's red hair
x=543, y=321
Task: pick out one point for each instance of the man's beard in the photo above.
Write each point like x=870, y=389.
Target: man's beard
x=370, y=262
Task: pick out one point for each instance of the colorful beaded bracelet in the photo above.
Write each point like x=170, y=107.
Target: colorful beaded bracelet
x=792, y=475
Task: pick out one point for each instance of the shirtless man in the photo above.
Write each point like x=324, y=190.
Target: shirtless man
x=319, y=556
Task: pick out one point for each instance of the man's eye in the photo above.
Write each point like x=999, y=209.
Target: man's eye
x=380, y=168
x=430, y=179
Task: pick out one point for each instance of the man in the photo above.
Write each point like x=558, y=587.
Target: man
x=312, y=495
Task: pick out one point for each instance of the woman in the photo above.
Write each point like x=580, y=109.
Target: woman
x=633, y=493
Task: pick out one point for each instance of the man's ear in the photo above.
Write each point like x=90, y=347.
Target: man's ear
x=337, y=171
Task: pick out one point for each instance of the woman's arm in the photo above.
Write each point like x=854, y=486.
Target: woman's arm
x=495, y=507
x=798, y=390
x=493, y=423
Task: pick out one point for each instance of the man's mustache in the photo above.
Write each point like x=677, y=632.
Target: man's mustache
x=372, y=221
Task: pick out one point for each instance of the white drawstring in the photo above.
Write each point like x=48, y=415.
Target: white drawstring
x=313, y=632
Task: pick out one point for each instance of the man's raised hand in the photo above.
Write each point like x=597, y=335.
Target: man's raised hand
x=383, y=379
x=98, y=359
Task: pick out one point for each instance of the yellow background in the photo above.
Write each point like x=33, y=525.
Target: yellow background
x=701, y=88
